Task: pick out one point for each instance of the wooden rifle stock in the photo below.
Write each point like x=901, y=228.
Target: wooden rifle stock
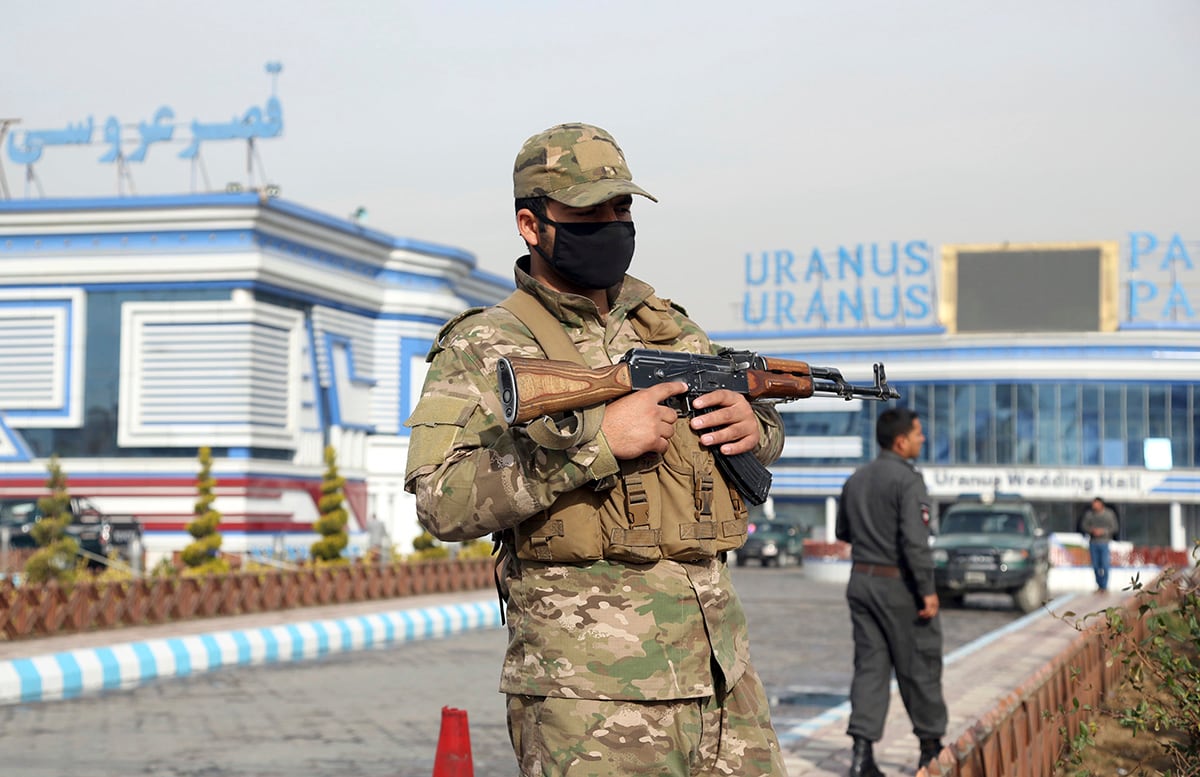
x=534, y=387
x=779, y=385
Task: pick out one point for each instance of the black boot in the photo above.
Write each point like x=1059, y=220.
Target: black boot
x=930, y=748
x=862, y=764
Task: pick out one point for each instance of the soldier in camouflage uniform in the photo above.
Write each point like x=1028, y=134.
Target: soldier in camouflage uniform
x=628, y=652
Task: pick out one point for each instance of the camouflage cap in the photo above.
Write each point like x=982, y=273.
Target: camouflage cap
x=576, y=164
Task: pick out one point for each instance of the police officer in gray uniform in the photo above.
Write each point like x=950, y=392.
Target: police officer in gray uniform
x=884, y=514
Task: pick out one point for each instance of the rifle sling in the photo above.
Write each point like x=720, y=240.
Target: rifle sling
x=546, y=329
x=548, y=332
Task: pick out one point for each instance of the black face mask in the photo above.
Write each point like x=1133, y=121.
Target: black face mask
x=589, y=254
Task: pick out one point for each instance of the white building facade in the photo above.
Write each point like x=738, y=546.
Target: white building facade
x=1051, y=372
x=134, y=330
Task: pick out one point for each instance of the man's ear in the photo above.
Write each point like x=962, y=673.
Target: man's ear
x=527, y=226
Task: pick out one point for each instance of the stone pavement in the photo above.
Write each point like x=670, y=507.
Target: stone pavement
x=976, y=679
x=977, y=676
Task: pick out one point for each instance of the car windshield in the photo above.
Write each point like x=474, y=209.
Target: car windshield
x=19, y=512
x=984, y=522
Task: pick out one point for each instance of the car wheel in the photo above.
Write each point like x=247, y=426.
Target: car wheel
x=741, y=560
x=949, y=599
x=1032, y=594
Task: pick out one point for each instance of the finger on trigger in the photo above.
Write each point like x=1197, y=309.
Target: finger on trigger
x=669, y=389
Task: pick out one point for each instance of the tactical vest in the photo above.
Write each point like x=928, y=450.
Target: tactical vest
x=672, y=506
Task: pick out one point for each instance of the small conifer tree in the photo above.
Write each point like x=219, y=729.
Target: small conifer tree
x=202, y=554
x=427, y=548
x=332, y=523
x=55, y=558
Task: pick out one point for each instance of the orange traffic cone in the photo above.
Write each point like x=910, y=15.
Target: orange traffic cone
x=454, y=746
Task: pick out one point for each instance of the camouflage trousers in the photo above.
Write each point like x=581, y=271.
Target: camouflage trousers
x=730, y=736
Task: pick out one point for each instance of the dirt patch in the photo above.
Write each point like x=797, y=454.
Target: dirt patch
x=1117, y=752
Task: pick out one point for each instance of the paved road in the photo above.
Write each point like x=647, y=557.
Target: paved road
x=377, y=713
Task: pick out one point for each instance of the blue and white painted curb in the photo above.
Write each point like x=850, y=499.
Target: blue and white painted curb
x=72, y=673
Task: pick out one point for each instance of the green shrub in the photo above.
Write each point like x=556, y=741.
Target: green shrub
x=56, y=561
x=1158, y=700
x=164, y=568
x=475, y=549
x=204, y=552
x=331, y=525
x=1163, y=670
x=117, y=571
x=213, y=566
x=56, y=555
x=427, y=548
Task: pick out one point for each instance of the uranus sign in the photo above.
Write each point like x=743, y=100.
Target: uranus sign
x=863, y=286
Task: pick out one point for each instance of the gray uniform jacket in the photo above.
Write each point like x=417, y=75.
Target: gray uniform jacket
x=883, y=514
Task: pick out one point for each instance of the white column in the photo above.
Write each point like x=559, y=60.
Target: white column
x=1179, y=539
x=830, y=518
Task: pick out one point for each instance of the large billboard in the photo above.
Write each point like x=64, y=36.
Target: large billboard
x=1032, y=287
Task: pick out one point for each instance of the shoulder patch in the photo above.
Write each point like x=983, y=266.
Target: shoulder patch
x=447, y=328
x=676, y=305
x=655, y=302
x=654, y=323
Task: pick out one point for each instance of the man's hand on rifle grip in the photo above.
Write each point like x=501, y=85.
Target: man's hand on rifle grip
x=639, y=423
x=725, y=418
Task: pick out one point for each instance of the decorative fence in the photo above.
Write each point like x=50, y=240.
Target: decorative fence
x=14, y=560
x=1123, y=555
x=28, y=611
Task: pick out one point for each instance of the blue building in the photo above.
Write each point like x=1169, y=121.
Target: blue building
x=1058, y=372
x=134, y=330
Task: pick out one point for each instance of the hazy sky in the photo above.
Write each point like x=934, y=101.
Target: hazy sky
x=759, y=125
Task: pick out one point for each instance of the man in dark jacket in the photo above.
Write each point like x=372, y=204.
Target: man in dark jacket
x=884, y=514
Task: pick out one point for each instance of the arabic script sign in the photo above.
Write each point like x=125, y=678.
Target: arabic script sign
x=26, y=147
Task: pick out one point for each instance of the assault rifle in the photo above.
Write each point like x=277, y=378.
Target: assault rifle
x=534, y=387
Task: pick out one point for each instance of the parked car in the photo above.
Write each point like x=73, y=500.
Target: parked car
x=773, y=543
x=97, y=533
x=997, y=547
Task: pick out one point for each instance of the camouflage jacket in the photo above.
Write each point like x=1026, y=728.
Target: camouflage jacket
x=600, y=630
